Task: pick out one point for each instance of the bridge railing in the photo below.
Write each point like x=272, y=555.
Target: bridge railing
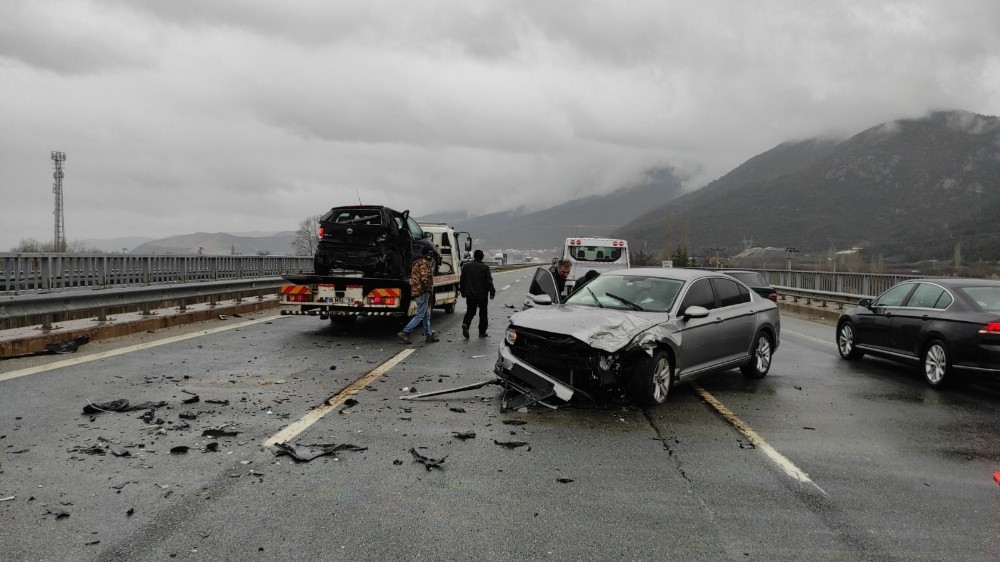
x=45, y=272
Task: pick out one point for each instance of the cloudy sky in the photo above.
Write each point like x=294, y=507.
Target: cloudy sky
x=179, y=116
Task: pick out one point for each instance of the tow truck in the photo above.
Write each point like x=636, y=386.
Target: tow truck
x=344, y=295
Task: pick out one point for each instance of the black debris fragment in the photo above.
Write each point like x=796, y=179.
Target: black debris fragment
x=191, y=400
x=223, y=402
x=60, y=514
x=511, y=444
x=118, y=452
x=179, y=450
x=212, y=447
x=350, y=403
x=120, y=405
x=306, y=453
x=130, y=512
x=219, y=432
x=457, y=409
x=92, y=450
x=333, y=367
x=463, y=435
x=187, y=416
x=513, y=422
x=428, y=462
x=68, y=346
x=564, y=480
x=397, y=462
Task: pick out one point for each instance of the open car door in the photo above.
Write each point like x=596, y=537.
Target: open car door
x=542, y=285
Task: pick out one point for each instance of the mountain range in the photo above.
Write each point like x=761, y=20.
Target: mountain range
x=906, y=190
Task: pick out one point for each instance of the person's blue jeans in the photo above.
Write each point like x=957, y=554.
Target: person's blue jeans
x=423, y=315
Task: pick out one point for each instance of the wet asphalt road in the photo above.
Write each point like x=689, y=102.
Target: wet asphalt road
x=855, y=461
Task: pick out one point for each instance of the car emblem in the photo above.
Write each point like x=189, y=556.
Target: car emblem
x=350, y=231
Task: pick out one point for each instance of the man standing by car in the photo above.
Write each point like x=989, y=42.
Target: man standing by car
x=476, y=284
x=421, y=287
x=560, y=272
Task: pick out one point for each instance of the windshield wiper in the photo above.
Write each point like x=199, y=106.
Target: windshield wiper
x=625, y=301
x=599, y=305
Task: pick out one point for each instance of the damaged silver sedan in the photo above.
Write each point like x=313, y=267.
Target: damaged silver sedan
x=633, y=334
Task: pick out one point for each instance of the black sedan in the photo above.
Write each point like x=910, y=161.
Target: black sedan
x=756, y=282
x=945, y=325
x=634, y=333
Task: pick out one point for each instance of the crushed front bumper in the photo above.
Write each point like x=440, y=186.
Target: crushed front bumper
x=527, y=379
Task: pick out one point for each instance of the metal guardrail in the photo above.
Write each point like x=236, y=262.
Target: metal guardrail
x=43, y=272
x=28, y=310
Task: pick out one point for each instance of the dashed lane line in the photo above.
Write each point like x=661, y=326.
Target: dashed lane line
x=317, y=413
x=129, y=349
x=783, y=463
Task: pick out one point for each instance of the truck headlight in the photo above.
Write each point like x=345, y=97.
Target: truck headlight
x=510, y=336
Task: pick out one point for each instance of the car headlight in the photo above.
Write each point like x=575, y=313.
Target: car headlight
x=510, y=336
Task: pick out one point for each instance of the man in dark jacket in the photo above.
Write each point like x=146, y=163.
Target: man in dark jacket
x=476, y=285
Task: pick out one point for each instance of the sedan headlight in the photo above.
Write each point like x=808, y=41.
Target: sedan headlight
x=510, y=336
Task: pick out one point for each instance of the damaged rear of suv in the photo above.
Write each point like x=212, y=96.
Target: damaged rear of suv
x=375, y=240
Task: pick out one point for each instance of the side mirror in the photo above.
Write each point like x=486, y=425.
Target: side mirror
x=695, y=312
x=867, y=303
x=547, y=300
x=468, y=244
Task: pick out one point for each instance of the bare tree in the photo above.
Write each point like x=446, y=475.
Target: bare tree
x=305, y=237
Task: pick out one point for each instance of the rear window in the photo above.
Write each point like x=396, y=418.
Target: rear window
x=371, y=217
x=751, y=278
x=988, y=298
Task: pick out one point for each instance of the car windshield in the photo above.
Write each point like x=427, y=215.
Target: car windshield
x=628, y=292
x=988, y=298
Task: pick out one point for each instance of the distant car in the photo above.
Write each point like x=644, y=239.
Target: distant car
x=634, y=333
x=943, y=325
x=756, y=282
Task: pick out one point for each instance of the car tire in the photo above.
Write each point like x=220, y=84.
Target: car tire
x=651, y=380
x=846, y=344
x=937, y=365
x=760, y=357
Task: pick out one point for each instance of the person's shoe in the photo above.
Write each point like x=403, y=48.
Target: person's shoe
x=431, y=339
x=404, y=336
x=465, y=331
x=483, y=335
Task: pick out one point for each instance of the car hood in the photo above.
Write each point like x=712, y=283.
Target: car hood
x=600, y=328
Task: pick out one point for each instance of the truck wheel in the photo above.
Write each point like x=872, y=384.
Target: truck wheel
x=449, y=308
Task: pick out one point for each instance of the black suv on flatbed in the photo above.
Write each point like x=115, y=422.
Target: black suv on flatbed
x=375, y=240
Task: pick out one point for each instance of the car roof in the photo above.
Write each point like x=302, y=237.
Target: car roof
x=680, y=273
x=958, y=282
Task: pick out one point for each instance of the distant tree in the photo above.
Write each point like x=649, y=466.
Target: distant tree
x=305, y=237
x=680, y=258
x=263, y=252
x=643, y=258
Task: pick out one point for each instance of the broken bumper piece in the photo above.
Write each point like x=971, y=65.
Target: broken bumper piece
x=532, y=383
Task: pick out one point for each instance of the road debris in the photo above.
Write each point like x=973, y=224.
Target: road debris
x=428, y=462
x=119, y=405
x=463, y=435
x=306, y=453
x=511, y=444
x=219, y=432
x=68, y=346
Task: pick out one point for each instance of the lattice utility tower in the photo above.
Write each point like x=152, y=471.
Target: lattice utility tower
x=59, y=242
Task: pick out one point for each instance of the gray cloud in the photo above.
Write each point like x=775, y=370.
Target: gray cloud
x=188, y=116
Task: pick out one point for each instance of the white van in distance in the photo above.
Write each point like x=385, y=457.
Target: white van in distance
x=594, y=254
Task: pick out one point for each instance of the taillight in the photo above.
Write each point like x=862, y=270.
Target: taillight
x=773, y=297
x=319, y=232
x=384, y=301
x=991, y=328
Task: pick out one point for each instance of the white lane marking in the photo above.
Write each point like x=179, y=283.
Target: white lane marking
x=505, y=288
x=317, y=413
x=786, y=465
x=830, y=343
x=129, y=349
